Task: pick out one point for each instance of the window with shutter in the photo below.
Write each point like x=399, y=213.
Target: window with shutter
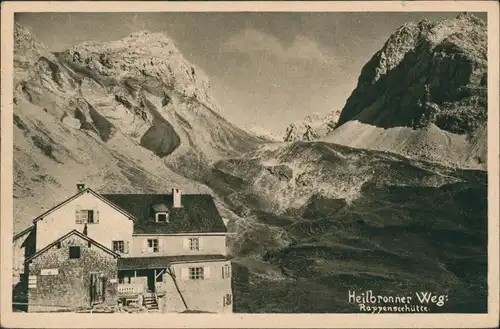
x=126, y=251
x=85, y=216
x=196, y=273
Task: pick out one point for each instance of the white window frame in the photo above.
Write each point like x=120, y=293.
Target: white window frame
x=196, y=273
x=152, y=245
x=158, y=214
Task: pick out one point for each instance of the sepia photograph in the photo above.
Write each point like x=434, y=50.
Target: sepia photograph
x=250, y=162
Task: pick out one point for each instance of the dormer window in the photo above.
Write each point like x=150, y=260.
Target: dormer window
x=161, y=213
x=162, y=217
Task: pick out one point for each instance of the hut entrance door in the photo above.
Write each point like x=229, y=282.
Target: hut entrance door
x=96, y=288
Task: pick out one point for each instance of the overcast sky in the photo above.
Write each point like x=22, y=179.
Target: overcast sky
x=267, y=69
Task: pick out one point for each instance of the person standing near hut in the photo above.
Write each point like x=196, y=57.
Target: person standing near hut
x=140, y=301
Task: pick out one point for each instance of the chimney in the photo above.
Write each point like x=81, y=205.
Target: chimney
x=80, y=187
x=176, y=196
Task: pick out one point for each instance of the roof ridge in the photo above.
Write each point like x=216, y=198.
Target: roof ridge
x=64, y=237
x=86, y=190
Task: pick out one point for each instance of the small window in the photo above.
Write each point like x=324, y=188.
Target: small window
x=196, y=273
x=74, y=252
x=162, y=217
x=119, y=246
x=153, y=245
x=59, y=245
x=194, y=244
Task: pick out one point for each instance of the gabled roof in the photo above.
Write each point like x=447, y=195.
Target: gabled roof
x=67, y=235
x=198, y=213
x=136, y=263
x=87, y=190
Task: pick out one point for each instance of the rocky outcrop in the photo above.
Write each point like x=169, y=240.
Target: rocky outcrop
x=430, y=72
x=311, y=128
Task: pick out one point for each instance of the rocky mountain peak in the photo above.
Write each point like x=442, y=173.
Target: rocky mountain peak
x=465, y=33
x=27, y=51
x=143, y=56
x=24, y=41
x=430, y=72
